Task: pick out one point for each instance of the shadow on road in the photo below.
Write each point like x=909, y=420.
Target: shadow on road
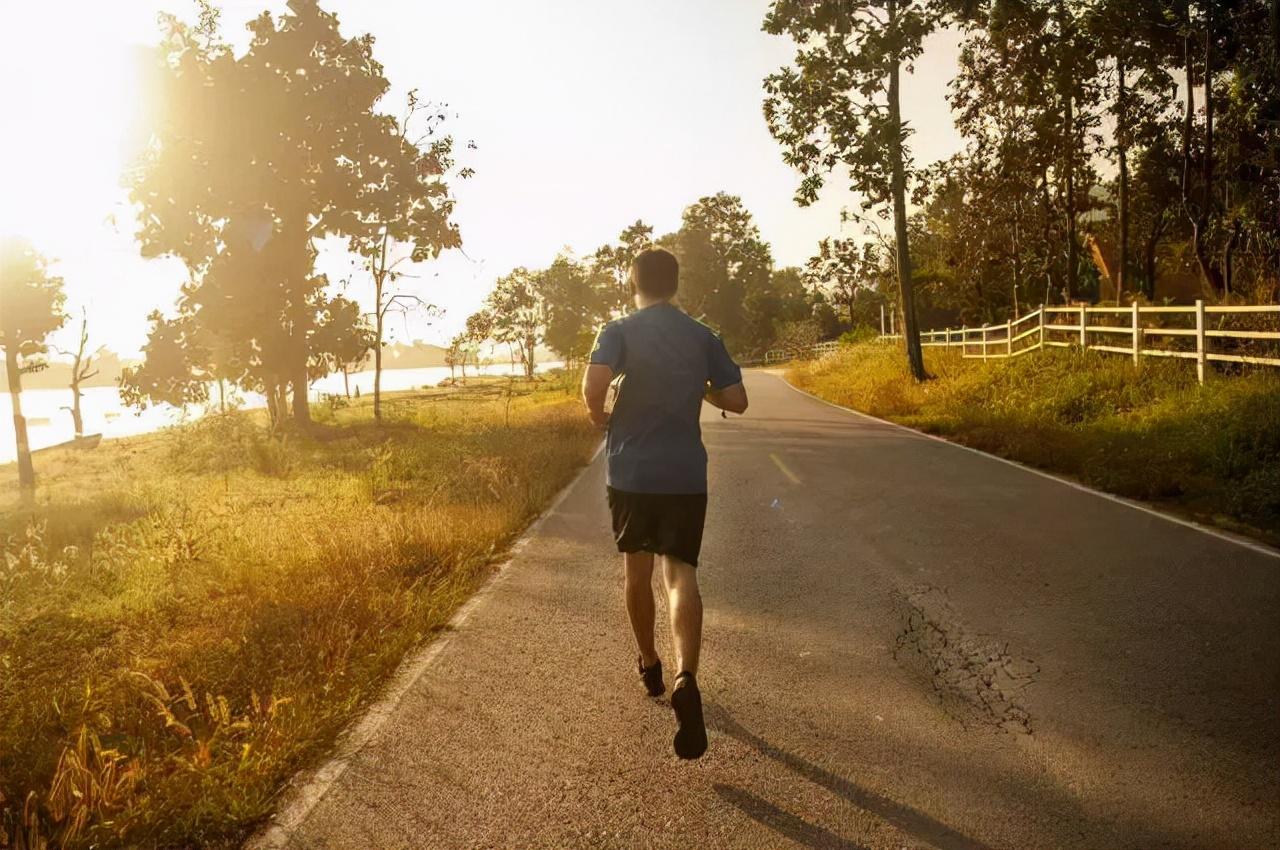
x=915, y=823
x=783, y=822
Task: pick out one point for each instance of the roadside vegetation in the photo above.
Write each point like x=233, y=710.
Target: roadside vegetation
x=189, y=617
x=1212, y=452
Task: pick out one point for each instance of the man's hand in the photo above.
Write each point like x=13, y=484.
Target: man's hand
x=732, y=398
x=595, y=388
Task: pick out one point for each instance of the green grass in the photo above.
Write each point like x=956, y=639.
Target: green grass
x=189, y=617
x=1148, y=432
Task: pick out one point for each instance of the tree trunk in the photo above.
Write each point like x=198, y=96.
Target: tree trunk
x=1017, y=253
x=379, y=312
x=1228, y=257
x=529, y=345
x=910, y=328
x=1069, y=166
x=1122, y=155
x=1149, y=256
x=1210, y=276
x=377, y=363
x=273, y=404
x=77, y=419
x=26, y=472
x=301, y=404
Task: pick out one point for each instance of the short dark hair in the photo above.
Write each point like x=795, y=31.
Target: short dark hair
x=655, y=272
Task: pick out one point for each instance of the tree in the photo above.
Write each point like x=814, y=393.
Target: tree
x=342, y=341
x=402, y=201
x=782, y=300
x=840, y=106
x=1156, y=199
x=176, y=367
x=256, y=156
x=519, y=314
x=575, y=306
x=81, y=371
x=456, y=355
x=722, y=260
x=31, y=301
x=479, y=327
x=843, y=269
x=613, y=262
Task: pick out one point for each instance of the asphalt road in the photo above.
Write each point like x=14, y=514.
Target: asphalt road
x=907, y=645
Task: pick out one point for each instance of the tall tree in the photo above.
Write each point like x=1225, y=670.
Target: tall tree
x=840, y=106
x=31, y=301
x=254, y=157
x=342, y=341
x=401, y=211
x=575, y=306
x=614, y=262
x=520, y=314
x=844, y=269
x=722, y=260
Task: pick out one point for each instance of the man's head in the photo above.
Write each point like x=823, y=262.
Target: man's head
x=655, y=275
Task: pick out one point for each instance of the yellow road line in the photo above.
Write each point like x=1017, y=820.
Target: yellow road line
x=795, y=479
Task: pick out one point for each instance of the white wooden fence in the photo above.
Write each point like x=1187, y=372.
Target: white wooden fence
x=1136, y=331
x=782, y=355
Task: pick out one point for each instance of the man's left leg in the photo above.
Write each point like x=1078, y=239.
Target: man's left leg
x=638, y=590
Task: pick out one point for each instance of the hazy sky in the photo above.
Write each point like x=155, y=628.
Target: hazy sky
x=588, y=114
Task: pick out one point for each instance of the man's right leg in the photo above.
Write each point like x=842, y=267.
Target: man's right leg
x=686, y=611
x=638, y=569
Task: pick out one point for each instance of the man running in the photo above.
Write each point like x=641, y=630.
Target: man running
x=657, y=474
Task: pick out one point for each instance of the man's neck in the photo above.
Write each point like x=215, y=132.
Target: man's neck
x=642, y=301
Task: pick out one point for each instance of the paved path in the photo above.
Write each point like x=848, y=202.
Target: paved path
x=907, y=645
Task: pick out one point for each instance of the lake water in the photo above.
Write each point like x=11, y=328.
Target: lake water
x=49, y=416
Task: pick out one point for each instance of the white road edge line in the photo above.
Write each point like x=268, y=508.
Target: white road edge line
x=1260, y=548
x=302, y=799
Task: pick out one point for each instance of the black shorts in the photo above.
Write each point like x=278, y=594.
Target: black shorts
x=662, y=523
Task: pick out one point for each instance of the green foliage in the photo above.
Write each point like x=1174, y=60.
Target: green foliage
x=576, y=303
x=519, y=309
x=1151, y=433
x=837, y=109
x=257, y=156
x=31, y=303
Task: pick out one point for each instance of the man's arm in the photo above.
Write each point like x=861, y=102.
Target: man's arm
x=732, y=398
x=595, y=389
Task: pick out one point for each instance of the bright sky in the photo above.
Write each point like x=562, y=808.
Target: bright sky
x=588, y=115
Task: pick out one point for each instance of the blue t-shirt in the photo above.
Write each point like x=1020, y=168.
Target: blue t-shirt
x=666, y=359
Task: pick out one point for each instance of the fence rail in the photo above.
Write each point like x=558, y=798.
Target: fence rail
x=1131, y=331
x=780, y=355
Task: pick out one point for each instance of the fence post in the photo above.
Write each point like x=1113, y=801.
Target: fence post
x=1042, y=326
x=1200, y=351
x=984, y=342
x=1137, y=333
x=1084, y=323
x=964, y=341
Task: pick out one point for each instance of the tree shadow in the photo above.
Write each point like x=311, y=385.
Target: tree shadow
x=916, y=823
x=783, y=822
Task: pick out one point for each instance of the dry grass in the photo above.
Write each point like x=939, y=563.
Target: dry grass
x=1150, y=433
x=187, y=618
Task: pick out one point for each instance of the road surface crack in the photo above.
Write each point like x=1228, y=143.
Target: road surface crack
x=977, y=681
